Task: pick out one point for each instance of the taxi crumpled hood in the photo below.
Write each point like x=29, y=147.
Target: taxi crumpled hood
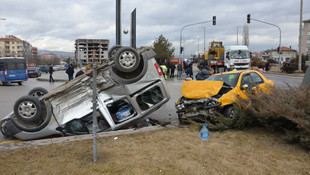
x=201, y=89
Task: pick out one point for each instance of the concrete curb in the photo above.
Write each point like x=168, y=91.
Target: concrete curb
x=75, y=138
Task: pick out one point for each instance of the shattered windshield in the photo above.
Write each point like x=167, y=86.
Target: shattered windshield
x=230, y=79
x=241, y=54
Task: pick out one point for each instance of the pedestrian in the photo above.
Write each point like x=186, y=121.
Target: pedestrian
x=81, y=72
x=189, y=71
x=205, y=72
x=51, y=70
x=164, y=70
x=168, y=67
x=179, y=68
x=172, y=68
x=232, y=67
x=70, y=72
x=267, y=66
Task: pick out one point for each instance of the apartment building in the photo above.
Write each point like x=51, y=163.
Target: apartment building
x=86, y=49
x=305, y=42
x=11, y=46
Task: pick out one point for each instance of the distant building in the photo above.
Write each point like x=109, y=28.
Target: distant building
x=305, y=42
x=11, y=46
x=84, y=50
x=287, y=54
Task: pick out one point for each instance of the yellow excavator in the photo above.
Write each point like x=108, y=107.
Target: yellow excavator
x=215, y=56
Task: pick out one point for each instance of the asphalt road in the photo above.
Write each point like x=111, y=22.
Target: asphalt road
x=10, y=93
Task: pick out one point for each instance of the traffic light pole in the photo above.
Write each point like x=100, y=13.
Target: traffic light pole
x=279, y=50
x=181, y=49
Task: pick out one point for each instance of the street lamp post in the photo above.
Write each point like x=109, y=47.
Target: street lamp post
x=279, y=51
x=181, y=49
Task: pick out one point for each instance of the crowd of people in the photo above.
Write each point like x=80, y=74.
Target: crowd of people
x=69, y=71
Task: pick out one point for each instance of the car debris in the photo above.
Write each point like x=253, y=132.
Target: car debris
x=130, y=85
x=218, y=93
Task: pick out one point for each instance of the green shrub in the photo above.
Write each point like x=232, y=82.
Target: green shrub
x=286, y=110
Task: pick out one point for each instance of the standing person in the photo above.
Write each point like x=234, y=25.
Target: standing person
x=172, y=67
x=189, y=71
x=232, y=67
x=51, y=70
x=179, y=68
x=164, y=70
x=168, y=67
x=81, y=72
x=70, y=72
x=267, y=65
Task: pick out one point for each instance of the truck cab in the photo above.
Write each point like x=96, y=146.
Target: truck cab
x=238, y=55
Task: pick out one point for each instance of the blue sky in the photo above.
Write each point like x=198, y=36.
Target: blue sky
x=55, y=25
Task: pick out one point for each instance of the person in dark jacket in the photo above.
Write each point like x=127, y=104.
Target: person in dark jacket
x=179, y=67
x=189, y=71
x=70, y=72
x=172, y=68
x=81, y=72
x=51, y=70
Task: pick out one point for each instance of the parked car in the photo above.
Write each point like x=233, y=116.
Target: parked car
x=43, y=69
x=218, y=93
x=58, y=67
x=33, y=72
x=127, y=90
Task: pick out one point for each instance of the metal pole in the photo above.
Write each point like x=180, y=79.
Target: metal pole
x=279, y=39
x=300, y=37
x=182, y=31
x=133, y=29
x=95, y=122
x=118, y=23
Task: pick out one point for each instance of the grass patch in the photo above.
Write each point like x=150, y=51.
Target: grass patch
x=169, y=151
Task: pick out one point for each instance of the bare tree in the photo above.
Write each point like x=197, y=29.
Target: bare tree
x=246, y=40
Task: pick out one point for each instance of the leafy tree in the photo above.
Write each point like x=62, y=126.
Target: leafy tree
x=163, y=49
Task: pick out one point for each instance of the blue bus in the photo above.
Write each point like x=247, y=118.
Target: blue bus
x=13, y=70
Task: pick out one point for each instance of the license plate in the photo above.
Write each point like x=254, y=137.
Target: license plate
x=11, y=75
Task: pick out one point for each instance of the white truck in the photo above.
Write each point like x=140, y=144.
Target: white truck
x=239, y=55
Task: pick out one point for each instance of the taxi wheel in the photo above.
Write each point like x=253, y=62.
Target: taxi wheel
x=27, y=108
x=229, y=112
x=38, y=92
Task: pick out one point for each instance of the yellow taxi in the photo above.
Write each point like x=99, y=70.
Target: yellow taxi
x=218, y=93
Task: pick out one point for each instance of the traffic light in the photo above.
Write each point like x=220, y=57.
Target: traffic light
x=249, y=18
x=214, y=20
x=181, y=50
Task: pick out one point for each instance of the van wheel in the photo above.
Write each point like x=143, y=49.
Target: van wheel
x=132, y=77
x=27, y=108
x=229, y=112
x=127, y=59
x=112, y=51
x=38, y=92
x=20, y=83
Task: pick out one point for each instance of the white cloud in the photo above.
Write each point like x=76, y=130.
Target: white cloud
x=60, y=23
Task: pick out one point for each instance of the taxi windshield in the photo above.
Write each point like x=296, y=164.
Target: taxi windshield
x=230, y=79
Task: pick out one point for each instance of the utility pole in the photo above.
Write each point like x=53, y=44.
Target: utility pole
x=300, y=37
x=95, y=122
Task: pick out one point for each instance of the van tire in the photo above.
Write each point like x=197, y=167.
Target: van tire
x=38, y=92
x=132, y=77
x=27, y=108
x=126, y=59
